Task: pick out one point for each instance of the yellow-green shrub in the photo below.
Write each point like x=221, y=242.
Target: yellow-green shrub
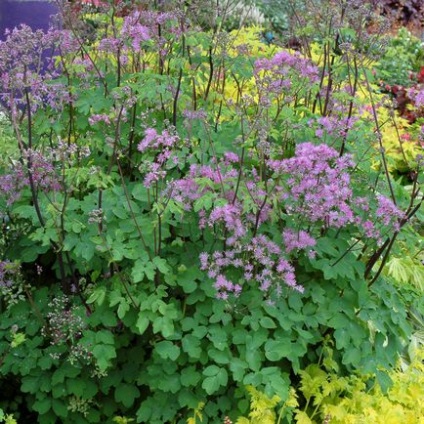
x=325, y=396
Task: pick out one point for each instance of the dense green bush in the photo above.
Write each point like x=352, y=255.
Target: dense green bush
x=188, y=213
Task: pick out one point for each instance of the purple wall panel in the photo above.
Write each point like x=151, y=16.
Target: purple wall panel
x=37, y=14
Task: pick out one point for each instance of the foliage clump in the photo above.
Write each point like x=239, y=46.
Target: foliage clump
x=187, y=213
x=336, y=399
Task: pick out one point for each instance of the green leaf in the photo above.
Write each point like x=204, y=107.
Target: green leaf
x=90, y=390
x=188, y=279
x=126, y=394
x=238, y=367
x=167, y=350
x=216, y=378
x=384, y=380
x=343, y=338
x=42, y=406
x=191, y=345
x=254, y=359
x=103, y=315
x=142, y=322
x=104, y=355
x=277, y=349
x=211, y=370
x=97, y=296
x=267, y=322
x=75, y=386
x=218, y=337
x=352, y=356
x=45, y=362
x=162, y=265
x=60, y=408
x=105, y=337
x=163, y=325
x=190, y=377
x=30, y=384
x=274, y=378
x=139, y=270
x=65, y=371
x=123, y=308
x=186, y=398
x=220, y=357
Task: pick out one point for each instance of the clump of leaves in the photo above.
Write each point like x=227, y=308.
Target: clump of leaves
x=324, y=396
x=401, y=60
x=196, y=212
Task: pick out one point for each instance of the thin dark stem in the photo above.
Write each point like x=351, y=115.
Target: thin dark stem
x=385, y=257
x=175, y=103
x=379, y=138
x=211, y=69
x=350, y=112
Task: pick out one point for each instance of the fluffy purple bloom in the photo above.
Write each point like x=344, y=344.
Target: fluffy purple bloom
x=225, y=287
x=388, y=212
x=230, y=215
x=134, y=31
x=297, y=240
x=276, y=74
x=319, y=185
x=96, y=118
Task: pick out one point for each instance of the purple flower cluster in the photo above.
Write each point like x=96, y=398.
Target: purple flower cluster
x=318, y=184
x=257, y=260
x=334, y=126
x=8, y=272
x=130, y=40
x=417, y=95
x=164, y=143
x=230, y=215
x=297, y=240
x=388, y=213
x=44, y=173
x=44, y=176
x=11, y=186
x=96, y=118
x=134, y=31
x=312, y=189
x=27, y=66
x=283, y=62
x=284, y=74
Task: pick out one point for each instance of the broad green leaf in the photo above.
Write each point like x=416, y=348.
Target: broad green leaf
x=189, y=376
x=42, y=406
x=97, y=296
x=142, y=322
x=60, y=408
x=384, y=380
x=191, y=345
x=238, y=367
x=167, y=350
x=105, y=337
x=267, y=322
x=75, y=386
x=104, y=355
x=277, y=349
x=126, y=394
x=216, y=378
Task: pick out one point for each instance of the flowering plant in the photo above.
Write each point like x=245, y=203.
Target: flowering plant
x=190, y=219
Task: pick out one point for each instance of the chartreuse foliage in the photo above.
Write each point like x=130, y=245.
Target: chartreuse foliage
x=6, y=418
x=351, y=399
x=189, y=213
